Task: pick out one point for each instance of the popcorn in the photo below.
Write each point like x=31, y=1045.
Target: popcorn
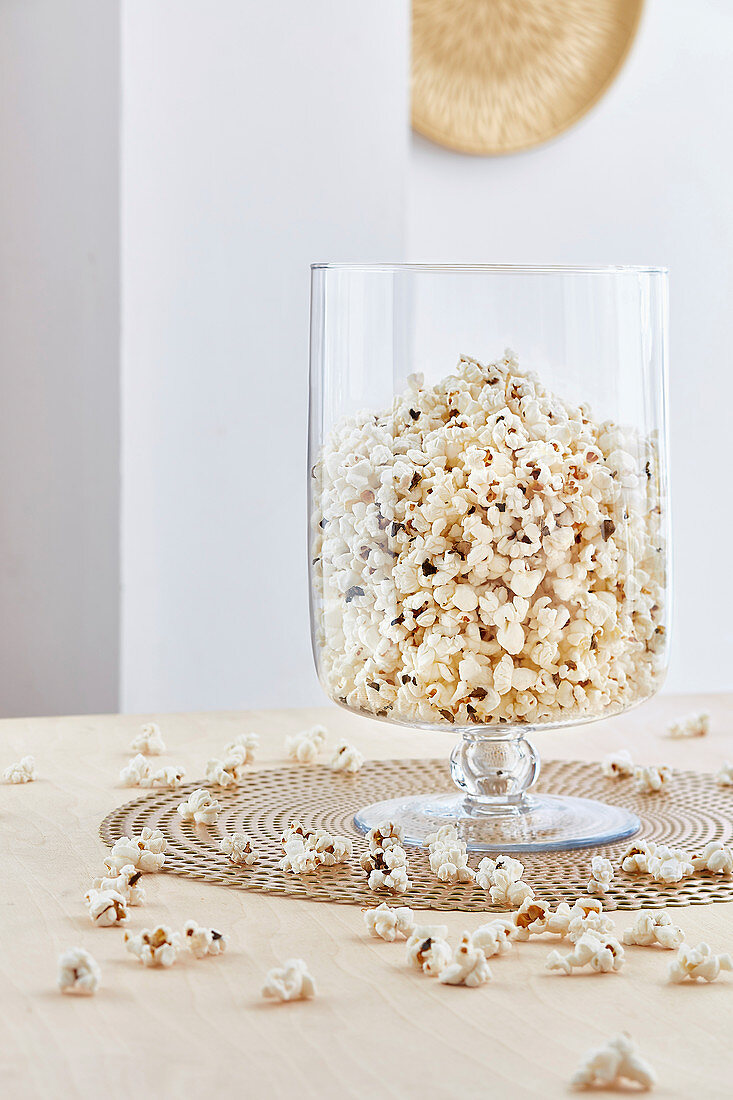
x=724, y=774
x=715, y=857
x=653, y=928
x=494, y=938
x=157, y=947
x=617, y=765
x=170, y=777
x=601, y=871
x=386, y=869
x=503, y=879
x=635, y=860
x=238, y=847
x=126, y=883
x=245, y=744
x=386, y=835
x=387, y=922
x=467, y=967
x=106, y=907
x=698, y=962
x=346, y=758
x=534, y=917
x=22, y=772
x=139, y=773
x=693, y=725
x=663, y=863
x=448, y=856
x=609, y=1066
x=135, y=771
x=307, y=850
x=149, y=740
x=306, y=745
x=601, y=952
x=78, y=972
x=203, y=941
x=484, y=551
x=200, y=807
x=292, y=982
x=429, y=951
x=230, y=771
x=652, y=778
x=145, y=852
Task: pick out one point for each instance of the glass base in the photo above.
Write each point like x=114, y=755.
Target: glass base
x=537, y=823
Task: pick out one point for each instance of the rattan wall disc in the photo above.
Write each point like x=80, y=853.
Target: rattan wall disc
x=694, y=812
x=495, y=76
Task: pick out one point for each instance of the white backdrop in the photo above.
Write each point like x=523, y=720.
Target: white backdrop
x=251, y=142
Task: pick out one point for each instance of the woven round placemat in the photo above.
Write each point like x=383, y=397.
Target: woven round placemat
x=693, y=811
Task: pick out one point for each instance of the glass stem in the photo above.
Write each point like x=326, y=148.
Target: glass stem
x=494, y=773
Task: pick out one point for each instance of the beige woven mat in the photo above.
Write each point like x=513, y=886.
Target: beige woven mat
x=694, y=811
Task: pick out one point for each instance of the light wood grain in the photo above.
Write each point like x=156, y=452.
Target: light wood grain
x=376, y=1028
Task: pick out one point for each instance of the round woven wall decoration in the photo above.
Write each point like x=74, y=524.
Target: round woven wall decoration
x=496, y=76
x=694, y=812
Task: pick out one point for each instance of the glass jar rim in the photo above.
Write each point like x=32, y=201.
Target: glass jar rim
x=508, y=269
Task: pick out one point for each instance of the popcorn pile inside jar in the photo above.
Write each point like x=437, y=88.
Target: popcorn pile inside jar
x=486, y=552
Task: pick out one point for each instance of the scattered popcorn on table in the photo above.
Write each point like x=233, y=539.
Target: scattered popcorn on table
x=306, y=745
x=448, y=856
x=346, y=758
x=601, y=873
x=385, y=835
x=386, y=869
x=618, y=765
x=246, y=744
x=306, y=850
x=106, y=907
x=694, y=725
x=715, y=857
x=652, y=928
x=484, y=550
x=238, y=847
x=203, y=941
x=170, y=777
x=200, y=807
x=698, y=962
x=724, y=774
x=135, y=771
x=534, y=917
x=149, y=740
x=386, y=861
x=157, y=947
x=291, y=982
x=601, y=952
x=467, y=967
x=227, y=772
x=502, y=877
x=609, y=1066
x=126, y=882
x=651, y=778
x=145, y=852
x=495, y=937
x=22, y=772
x=78, y=972
x=429, y=951
x=388, y=922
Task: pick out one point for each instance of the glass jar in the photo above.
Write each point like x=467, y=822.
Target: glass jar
x=489, y=521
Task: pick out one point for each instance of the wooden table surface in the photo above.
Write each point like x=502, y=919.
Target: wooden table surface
x=376, y=1029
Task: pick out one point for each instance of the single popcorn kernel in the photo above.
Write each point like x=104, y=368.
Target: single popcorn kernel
x=200, y=807
x=157, y=947
x=22, y=772
x=610, y=1066
x=291, y=982
x=149, y=740
x=694, y=725
x=485, y=552
x=346, y=758
x=78, y=972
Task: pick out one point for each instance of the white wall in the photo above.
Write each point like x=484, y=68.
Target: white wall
x=644, y=178
x=256, y=139
x=58, y=356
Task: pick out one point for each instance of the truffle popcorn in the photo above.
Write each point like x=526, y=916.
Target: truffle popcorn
x=485, y=552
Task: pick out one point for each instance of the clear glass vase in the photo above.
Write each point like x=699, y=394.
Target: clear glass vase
x=489, y=527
